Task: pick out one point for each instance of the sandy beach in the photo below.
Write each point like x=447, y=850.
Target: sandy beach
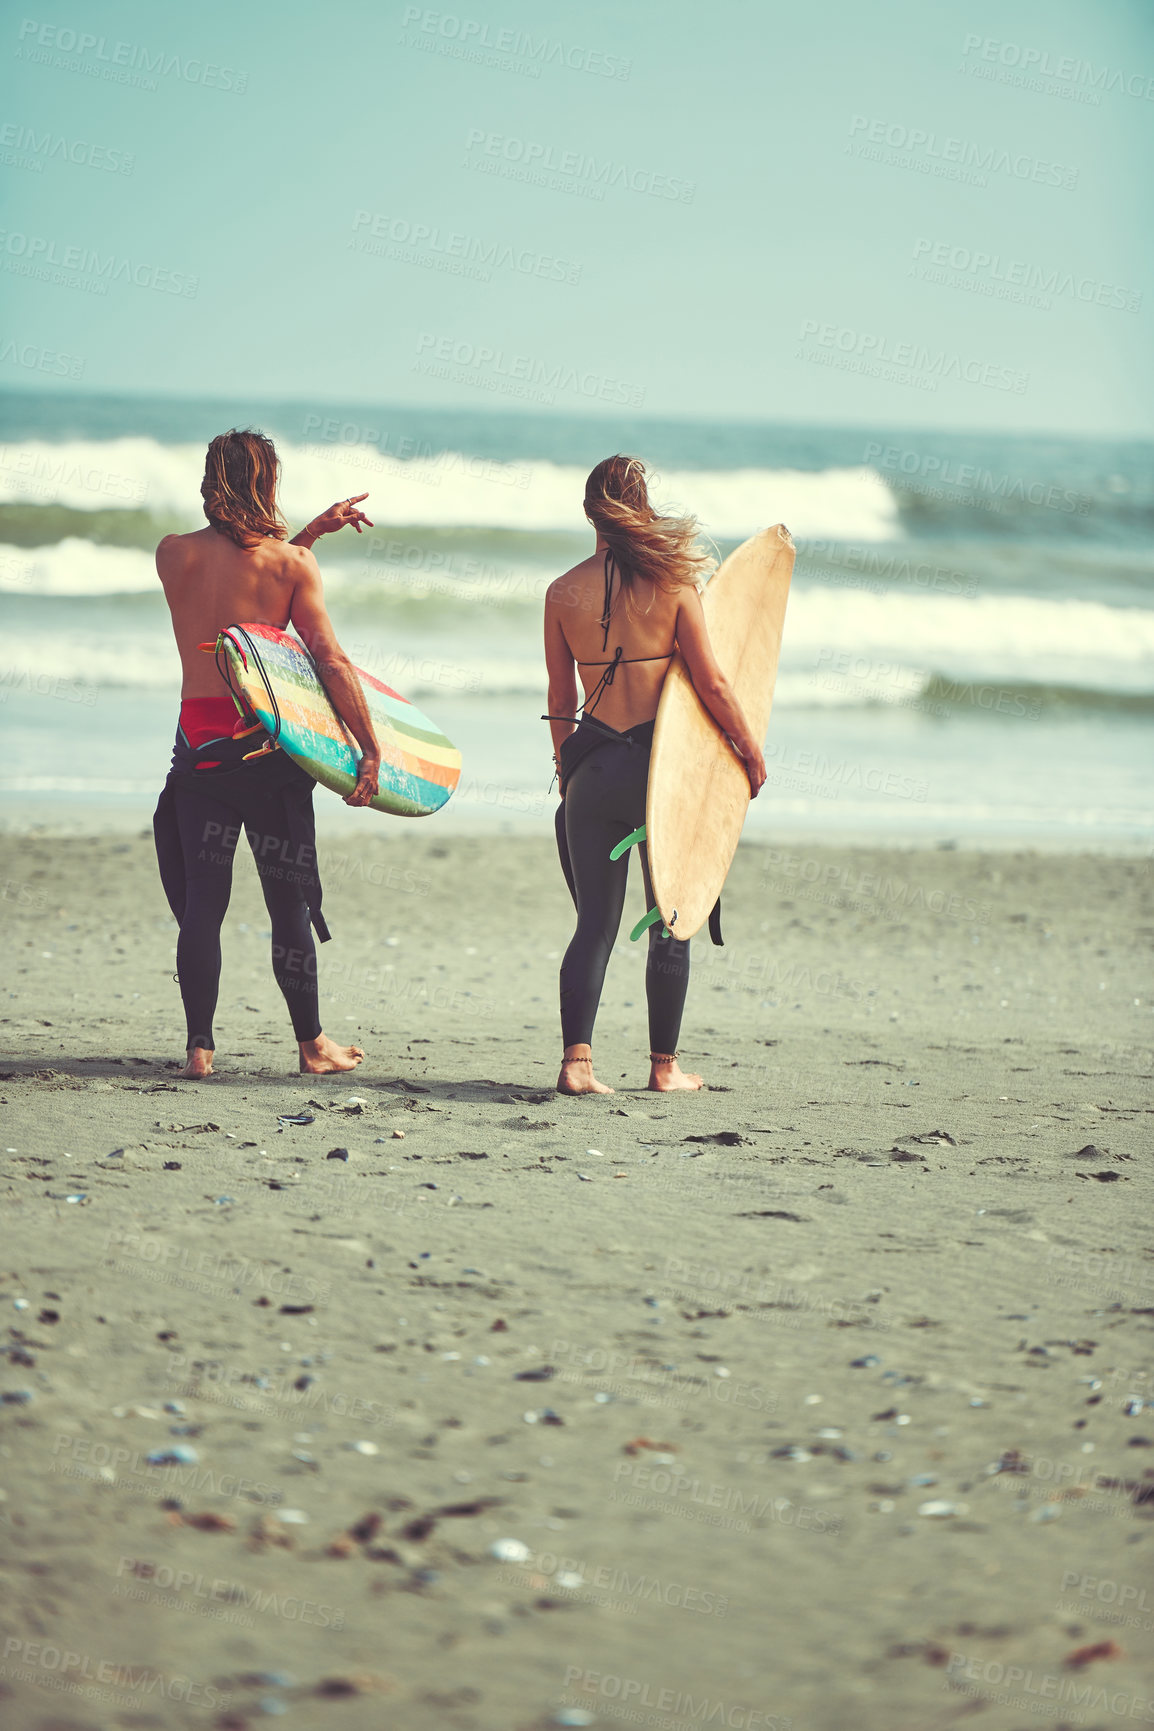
x=819, y=1399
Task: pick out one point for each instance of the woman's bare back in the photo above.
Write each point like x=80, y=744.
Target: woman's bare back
x=642, y=624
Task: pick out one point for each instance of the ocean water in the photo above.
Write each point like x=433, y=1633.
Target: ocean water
x=968, y=652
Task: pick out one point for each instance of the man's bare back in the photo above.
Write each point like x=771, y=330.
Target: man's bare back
x=209, y=582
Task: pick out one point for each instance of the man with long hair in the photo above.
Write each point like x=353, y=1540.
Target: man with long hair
x=242, y=568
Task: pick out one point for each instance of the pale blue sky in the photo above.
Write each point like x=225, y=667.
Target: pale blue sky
x=697, y=307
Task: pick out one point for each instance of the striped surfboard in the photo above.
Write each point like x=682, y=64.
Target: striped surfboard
x=275, y=676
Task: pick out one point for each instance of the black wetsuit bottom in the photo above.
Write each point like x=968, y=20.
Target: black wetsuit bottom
x=267, y=799
x=604, y=802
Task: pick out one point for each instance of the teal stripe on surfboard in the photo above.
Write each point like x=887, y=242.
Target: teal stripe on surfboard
x=333, y=755
x=420, y=766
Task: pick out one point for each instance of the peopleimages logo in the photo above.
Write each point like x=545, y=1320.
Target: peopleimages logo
x=1031, y=63
x=41, y=147
x=427, y=244
x=635, y=1692
x=84, y=267
x=876, y=348
x=495, y=369
x=991, y=1680
x=67, y=1668
x=471, y=39
x=530, y=159
x=991, y=273
x=952, y=158
x=119, y=62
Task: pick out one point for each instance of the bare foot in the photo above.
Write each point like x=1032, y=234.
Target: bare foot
x=577, y=1076
x=666, y=1075
x=323, y=1057
x=198, y=1064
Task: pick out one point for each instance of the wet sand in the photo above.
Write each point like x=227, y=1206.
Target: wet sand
x=814, y=1400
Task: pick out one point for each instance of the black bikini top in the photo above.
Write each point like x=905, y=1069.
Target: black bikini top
x=619, y=660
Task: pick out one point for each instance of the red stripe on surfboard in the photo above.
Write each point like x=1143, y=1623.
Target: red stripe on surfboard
x=379, y=685
x=275, y=635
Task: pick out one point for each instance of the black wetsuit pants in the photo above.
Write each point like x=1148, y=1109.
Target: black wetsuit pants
x=209, y=819
x=604, y=802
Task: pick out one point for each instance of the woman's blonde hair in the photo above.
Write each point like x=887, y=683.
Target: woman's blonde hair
x=241, y=472
x=642, y=542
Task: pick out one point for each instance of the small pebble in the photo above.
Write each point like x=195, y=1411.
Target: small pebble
x=938, y=1510
x=510, y=1551
x=867, y=1363
x=292, y=1517
x=364, y=1448
x=180, y=1455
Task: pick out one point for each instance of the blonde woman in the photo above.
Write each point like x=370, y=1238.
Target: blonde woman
x=615, y=619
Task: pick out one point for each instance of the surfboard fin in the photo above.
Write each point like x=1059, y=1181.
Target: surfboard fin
x=643, y=924
x=624, y=846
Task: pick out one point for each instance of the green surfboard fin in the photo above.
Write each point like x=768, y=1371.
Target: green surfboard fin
x=643, y=924
x=624, y=846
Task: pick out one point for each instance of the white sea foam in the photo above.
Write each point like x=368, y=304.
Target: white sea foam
x=449, y=489
x=75, y=568
x=839, y=649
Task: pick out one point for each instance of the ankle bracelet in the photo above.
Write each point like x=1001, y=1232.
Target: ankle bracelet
x=663, y=1057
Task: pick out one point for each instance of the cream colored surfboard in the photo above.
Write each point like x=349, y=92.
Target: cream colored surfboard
x=698, y=791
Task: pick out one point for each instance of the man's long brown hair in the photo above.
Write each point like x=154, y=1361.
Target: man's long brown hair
x=241, y=472
x=643, y=543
